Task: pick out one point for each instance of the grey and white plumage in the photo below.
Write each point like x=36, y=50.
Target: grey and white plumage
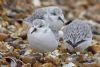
x=77, y=35
x=52, y=15
x=41, y=37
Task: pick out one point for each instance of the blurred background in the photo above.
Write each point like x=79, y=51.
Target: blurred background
x=84, y=9
x=16, y=10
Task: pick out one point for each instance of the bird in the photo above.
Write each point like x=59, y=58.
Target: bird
x=52, y=15
x=77, y=35
x=41, y=37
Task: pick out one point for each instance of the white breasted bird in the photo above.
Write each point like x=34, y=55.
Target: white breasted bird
x=41, y=37
x=52, y=15
x=77, y=35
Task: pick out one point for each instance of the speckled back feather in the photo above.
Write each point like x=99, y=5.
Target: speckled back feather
x=76, y=31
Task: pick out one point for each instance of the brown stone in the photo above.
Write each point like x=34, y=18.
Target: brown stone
x=3, y=36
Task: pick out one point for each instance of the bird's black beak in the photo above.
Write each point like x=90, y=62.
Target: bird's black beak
x=35, y=29
x=61, y=19
x=66, y=23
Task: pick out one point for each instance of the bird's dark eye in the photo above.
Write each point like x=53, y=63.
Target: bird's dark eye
x=40, y=26
x=53, y=13
x=41, y=18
